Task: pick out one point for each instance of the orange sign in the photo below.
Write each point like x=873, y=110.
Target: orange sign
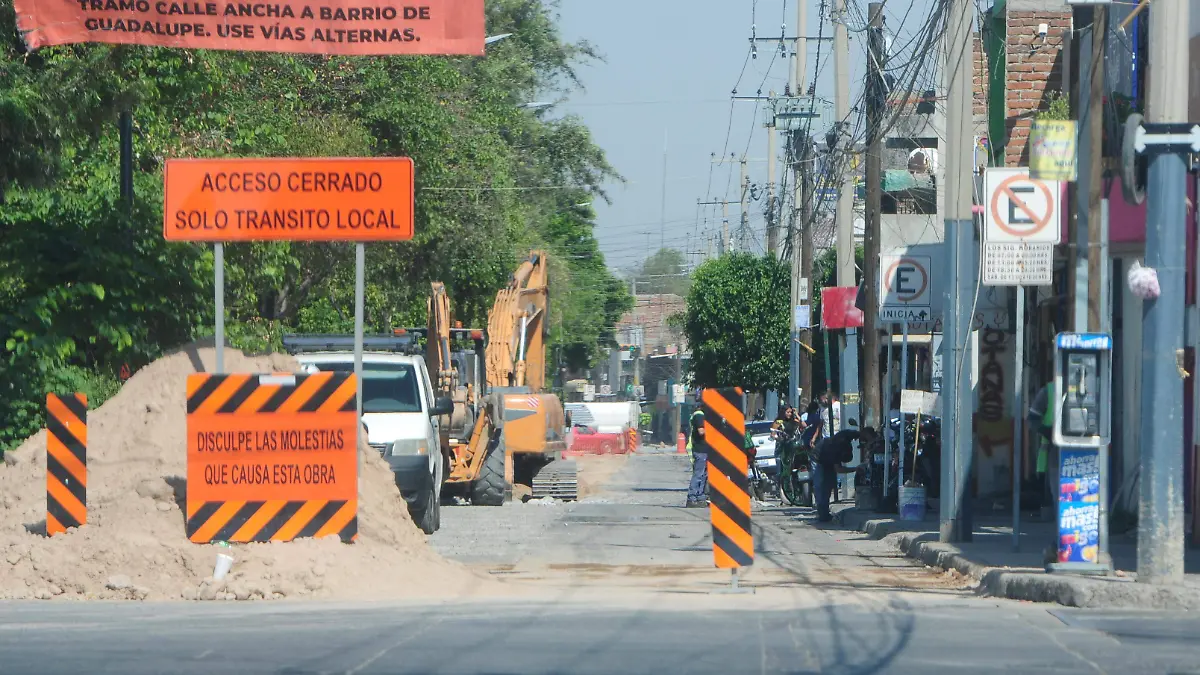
x=271, y=458
x=289, y=199
x=329, y=27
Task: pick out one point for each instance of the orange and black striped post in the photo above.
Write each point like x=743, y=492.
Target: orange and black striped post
x=66, y=462
x=728, y=477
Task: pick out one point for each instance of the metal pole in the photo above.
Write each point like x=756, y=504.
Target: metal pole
x=797, y=82
x=1160, y=503
x=1019, y=418
x=903, y=386
x=807, y=377
x=960, y=235
x=360, y=260
x=744, y=228
x=724, y=247
x=875, y=104
x=883, y=427
x=797, y=270
x=772, y=215
x=1096, y=133
x=796, y=86
x=845, y=204
x=219, y=293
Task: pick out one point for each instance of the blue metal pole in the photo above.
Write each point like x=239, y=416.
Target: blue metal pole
x=1160, y=503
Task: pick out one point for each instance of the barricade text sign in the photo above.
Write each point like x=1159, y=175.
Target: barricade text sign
x=271, y=458
x=223, y=200
x=441, y=27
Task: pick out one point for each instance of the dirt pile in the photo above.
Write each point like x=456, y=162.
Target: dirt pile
x=134, y=545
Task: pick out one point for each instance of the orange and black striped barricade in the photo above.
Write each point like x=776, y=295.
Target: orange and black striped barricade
x=728, y=478
x=66, y=462
x=271, y=457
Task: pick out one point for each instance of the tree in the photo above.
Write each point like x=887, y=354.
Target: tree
x=88, y=285
x=737, y=322
x=664, y=272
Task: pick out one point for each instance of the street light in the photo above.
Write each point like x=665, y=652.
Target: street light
x=536, y=105
x=495, y=38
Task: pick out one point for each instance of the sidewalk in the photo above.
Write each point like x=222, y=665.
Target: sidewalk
x=1019, y=575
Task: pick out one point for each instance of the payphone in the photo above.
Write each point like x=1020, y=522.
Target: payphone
x=1082, y=419
x=1083, y=390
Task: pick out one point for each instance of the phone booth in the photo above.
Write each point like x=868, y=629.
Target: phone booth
x=1082, y=422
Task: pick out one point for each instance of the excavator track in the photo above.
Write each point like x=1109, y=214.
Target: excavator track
x=558, y=479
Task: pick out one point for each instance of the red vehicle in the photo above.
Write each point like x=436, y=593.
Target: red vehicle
x=587, y=441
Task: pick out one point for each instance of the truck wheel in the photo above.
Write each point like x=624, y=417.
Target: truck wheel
x=430, y=519
x=488, y=489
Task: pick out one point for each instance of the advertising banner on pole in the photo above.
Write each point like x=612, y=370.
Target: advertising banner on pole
x=1079, y=506
x=434, y=27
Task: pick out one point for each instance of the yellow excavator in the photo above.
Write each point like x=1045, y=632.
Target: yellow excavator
x=516, y=429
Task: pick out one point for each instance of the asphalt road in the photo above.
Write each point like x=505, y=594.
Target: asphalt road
x=621, y=582
x=536, y=638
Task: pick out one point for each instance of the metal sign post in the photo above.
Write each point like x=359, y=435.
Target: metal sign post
x=360, y=259
x=1018, y=418
x=903, y=420
x=219, y=291
x=1021, y=227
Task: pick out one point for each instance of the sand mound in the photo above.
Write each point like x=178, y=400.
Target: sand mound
x=134, y=545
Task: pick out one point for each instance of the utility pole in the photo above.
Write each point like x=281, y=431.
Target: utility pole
x=1160, y=500
x=875, y=110
x=960, y=244
x=744, y=230
x=722, y=246
x=796, y=88
x=1095, y=184
x=845, y=205
x=772, y=217
x=804, y=178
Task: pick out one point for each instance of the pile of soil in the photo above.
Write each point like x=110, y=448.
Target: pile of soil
x=134, y=545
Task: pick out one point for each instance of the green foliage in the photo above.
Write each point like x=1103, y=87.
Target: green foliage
x=88, y=284
x=1057, y=108
x=664, y=272
x=737, y=322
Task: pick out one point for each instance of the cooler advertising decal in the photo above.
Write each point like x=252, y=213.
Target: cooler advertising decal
x=1078, y=506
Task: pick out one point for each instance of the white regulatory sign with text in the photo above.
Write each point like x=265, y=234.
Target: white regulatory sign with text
x=1018, y=264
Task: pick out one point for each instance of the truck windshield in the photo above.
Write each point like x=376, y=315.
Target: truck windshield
x=387, y=387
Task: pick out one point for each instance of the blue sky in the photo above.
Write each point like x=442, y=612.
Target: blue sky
x=669, y=69
x=668, y=72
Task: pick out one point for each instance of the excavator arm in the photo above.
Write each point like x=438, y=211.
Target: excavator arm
x=516, y=351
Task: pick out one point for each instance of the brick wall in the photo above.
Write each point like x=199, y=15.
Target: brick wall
x=979, y=81
x=1034, y=70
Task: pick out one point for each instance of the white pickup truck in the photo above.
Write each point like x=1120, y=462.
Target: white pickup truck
x=401, y=415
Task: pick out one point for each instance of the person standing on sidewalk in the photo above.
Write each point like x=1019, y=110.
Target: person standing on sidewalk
x=830, y=459
x=697, y=496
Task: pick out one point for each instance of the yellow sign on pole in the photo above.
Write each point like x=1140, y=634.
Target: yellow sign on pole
x=1052, y=147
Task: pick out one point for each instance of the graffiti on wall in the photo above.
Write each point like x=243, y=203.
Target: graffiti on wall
x=993, y=427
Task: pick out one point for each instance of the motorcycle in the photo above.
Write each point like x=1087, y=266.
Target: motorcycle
x=795, y=469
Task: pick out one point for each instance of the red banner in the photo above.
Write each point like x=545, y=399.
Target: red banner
x=837, y=308
x=322, y=27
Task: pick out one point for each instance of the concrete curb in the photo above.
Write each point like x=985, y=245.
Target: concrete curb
x=1022, y=583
